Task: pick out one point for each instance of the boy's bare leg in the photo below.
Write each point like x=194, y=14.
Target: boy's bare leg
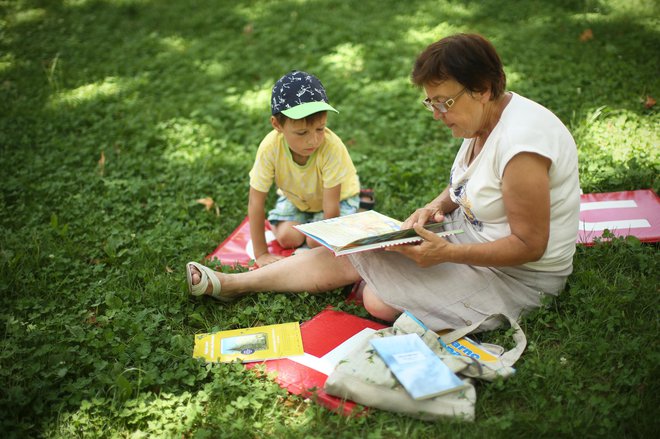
x=311, y=243
x=288, y=236
x=314, y=271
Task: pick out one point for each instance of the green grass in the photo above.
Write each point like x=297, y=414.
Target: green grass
x=116, y=116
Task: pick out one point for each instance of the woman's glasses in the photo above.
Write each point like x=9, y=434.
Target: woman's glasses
x=444, y=106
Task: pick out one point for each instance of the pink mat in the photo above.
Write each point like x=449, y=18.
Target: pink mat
x=635, y=213
x=236, y=250
x=326, y=338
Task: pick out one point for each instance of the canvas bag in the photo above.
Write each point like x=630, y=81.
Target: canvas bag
x=362, y=376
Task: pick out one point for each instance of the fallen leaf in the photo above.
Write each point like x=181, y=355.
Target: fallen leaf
x=169, y=269
x=587, y=35
x=101, y=164
x=91, y=317
x=248, y=29
x=650, y=102
x=207, y=202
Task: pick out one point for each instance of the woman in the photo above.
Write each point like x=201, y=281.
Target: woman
x=513, y=189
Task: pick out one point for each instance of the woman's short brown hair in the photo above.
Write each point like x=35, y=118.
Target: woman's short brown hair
x=470, y=59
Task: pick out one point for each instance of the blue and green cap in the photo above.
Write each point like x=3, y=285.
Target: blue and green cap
x=299, y=94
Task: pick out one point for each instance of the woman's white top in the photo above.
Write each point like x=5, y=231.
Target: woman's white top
x=524, y=126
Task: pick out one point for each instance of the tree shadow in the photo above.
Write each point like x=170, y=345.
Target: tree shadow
x=175, y=97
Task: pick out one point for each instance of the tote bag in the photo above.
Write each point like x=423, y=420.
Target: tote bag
x=364, y=377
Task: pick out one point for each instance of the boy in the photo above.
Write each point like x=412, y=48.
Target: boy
x=309, y=164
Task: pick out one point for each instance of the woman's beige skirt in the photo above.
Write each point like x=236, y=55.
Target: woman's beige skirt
x=452, y=295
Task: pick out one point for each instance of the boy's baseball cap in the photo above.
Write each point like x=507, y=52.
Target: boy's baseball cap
x=299, y=94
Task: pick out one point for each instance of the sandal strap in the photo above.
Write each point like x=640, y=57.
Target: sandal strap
x=215, y=292
x=207, y=274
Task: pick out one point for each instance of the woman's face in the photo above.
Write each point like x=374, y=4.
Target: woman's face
x=465, y=117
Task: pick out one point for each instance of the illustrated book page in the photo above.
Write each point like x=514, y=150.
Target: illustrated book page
x=365, y=231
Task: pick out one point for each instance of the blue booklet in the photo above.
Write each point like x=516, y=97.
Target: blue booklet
x=417, y=368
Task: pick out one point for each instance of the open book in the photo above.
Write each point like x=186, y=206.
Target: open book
x=365, y=231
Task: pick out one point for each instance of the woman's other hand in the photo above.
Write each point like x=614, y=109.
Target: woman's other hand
x=433, y=250
x=422, y=216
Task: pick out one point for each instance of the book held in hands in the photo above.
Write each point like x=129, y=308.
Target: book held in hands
x=365, y=231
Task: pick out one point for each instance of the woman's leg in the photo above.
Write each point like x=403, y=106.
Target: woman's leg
x=377, y=307
x=316, y=270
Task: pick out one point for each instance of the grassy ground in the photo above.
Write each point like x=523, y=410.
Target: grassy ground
x=118, y=115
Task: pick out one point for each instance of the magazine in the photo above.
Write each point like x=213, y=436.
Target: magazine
x=366, y=231
x=416, y=367
x=250, y=344
x=467, y=347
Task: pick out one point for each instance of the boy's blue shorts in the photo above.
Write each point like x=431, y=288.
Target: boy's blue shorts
x=285, y=211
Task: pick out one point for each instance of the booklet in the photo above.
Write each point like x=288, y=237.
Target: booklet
x=365, y=231
x=250, y=344
x=467, y=347
x=417, y=368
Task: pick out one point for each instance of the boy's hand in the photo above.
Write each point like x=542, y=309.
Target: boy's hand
x=267, y=258
x=331, y=202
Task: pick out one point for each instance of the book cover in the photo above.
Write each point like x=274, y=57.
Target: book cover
x=468, y=348
x=250, y=344
x=365, y=231
x=416, y=367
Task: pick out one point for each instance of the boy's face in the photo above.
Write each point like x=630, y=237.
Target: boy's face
x=303, y=137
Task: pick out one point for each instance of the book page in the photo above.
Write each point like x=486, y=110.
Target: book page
x=398, y=235
x=339, y=231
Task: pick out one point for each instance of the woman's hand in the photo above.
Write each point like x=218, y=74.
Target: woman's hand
x=526, y=195
x=433, y=250
x=422, y=216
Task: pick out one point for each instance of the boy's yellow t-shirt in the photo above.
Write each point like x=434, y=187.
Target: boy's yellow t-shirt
x=327, y=167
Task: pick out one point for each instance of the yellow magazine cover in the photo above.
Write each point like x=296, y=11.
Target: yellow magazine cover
x=250, y=344
x=467, y=348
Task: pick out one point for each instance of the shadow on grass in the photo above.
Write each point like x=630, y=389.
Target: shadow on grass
x=117, y=116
